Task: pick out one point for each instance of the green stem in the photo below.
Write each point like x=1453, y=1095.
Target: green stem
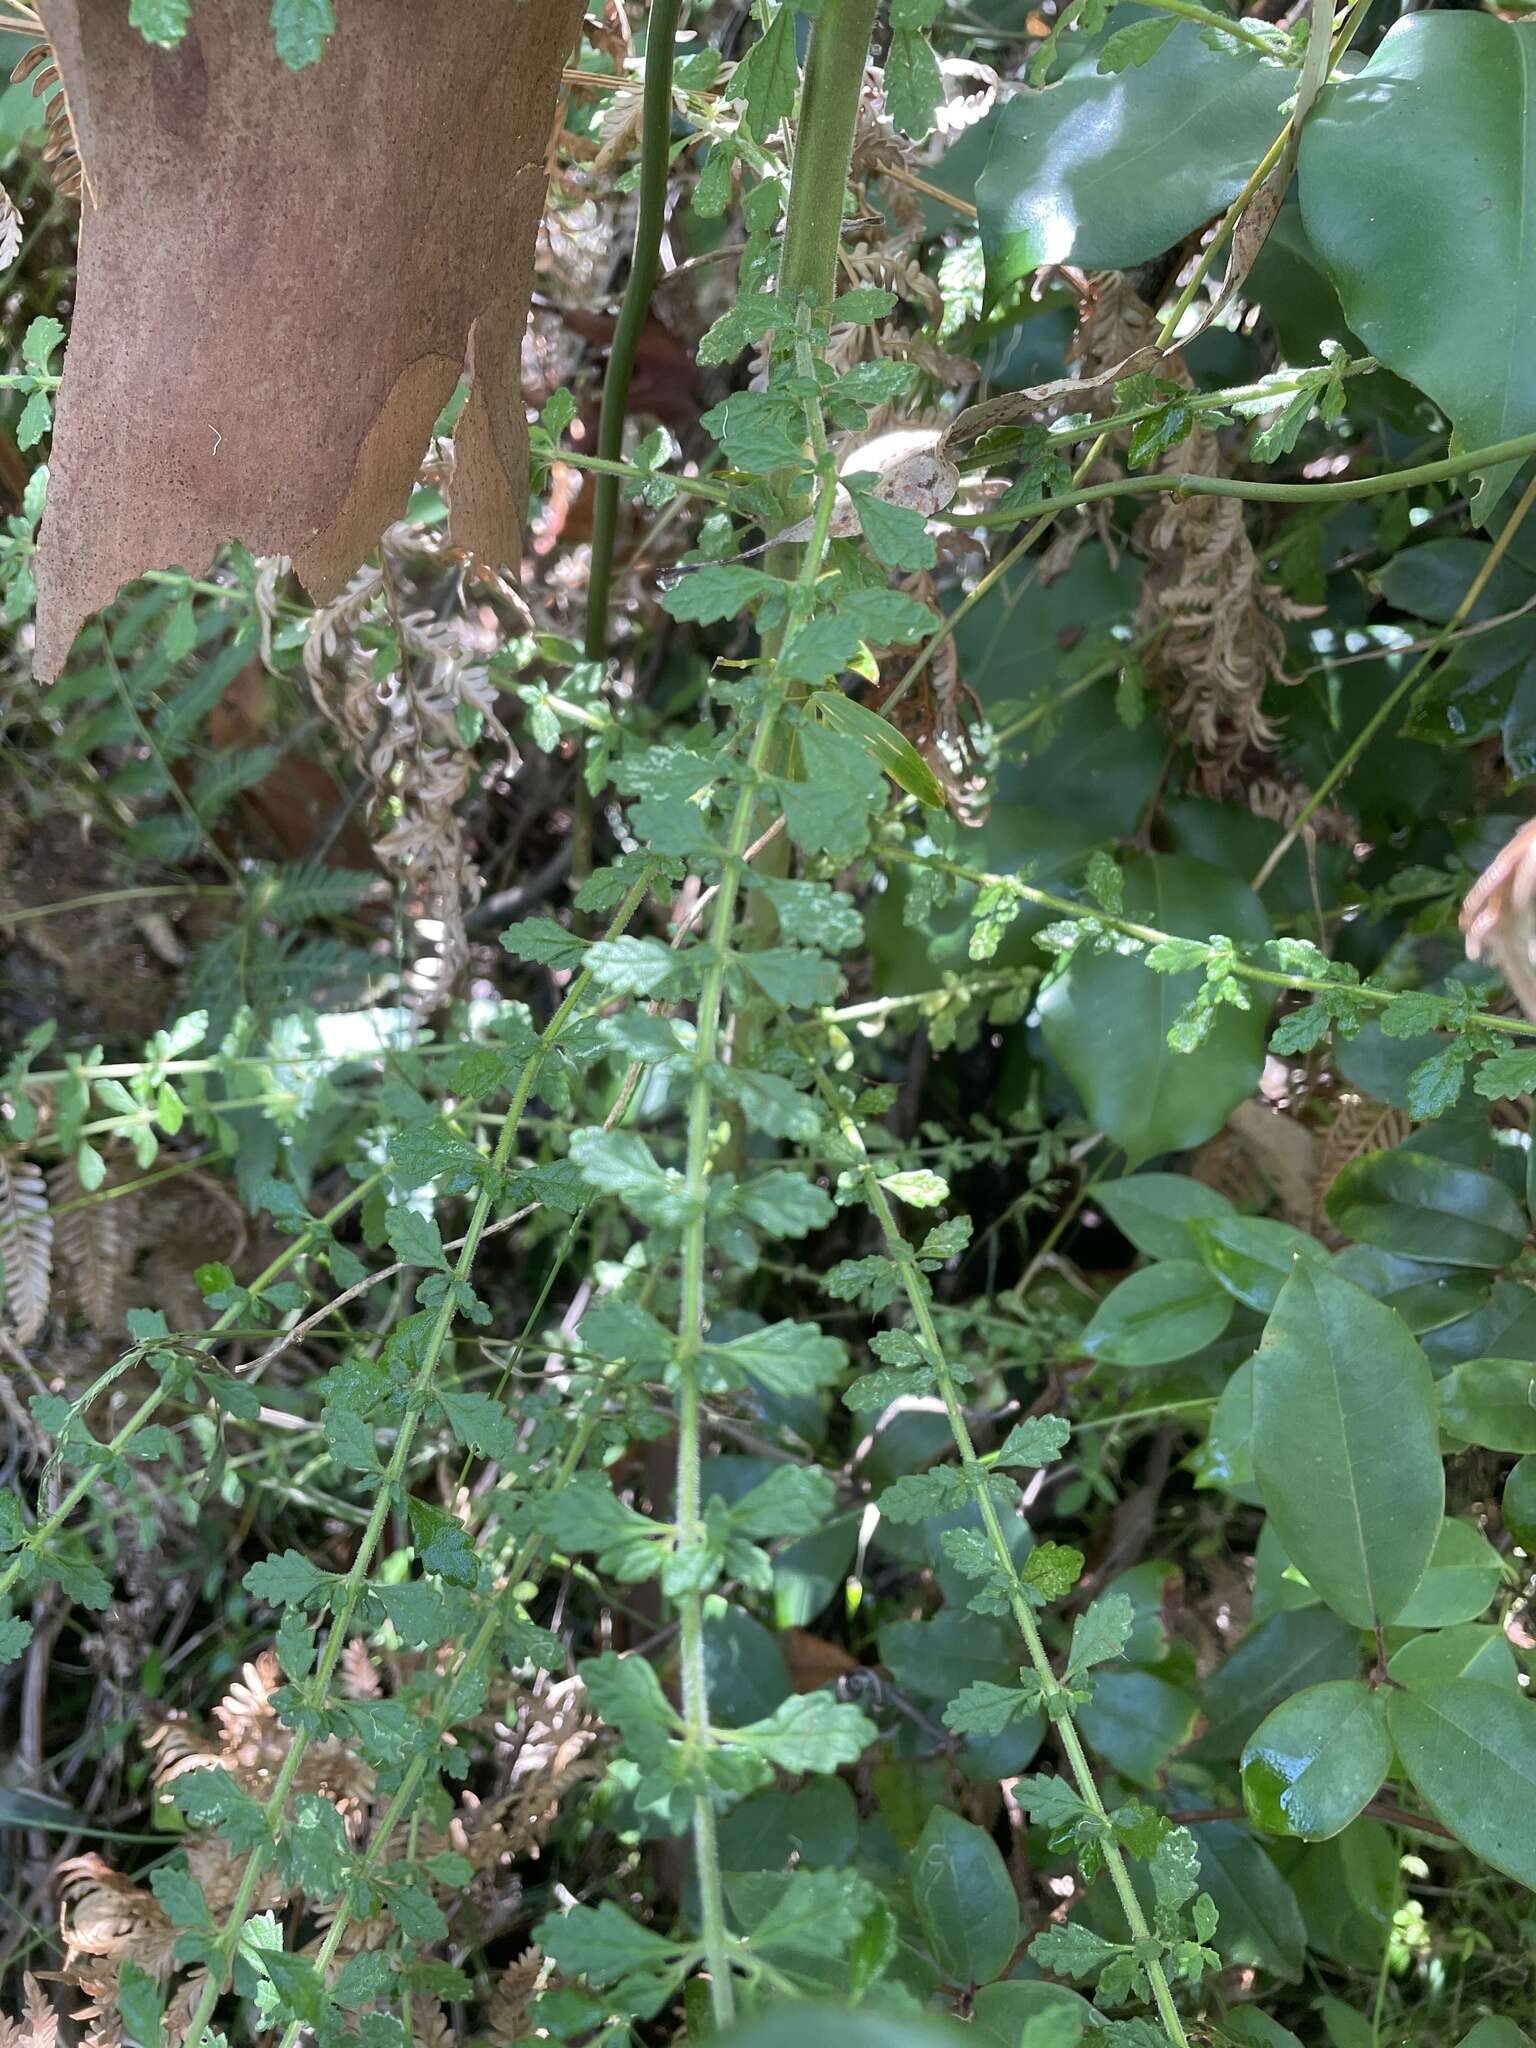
x=1185, y=484
x=1146, y=935
x=415, y=1407
x=692, y=1307
x=43, y=1532
x=1209, y=17
x=829, y=112
x=655, y=157
x=915, y=1287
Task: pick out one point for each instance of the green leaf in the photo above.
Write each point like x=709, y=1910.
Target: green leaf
x=914, y=84
x=35, y=421
x=1407, y=176
x=809, y=1732
x=1252, y=1256
x=140, y=2003
x=1518, y=1507
x=787, y=1358
x=603, y=1944
x=1038, y=1440
x=1135, y=1722
x=480, y=1424
x=898, y=536
x=1100, y=1634
x=1316, y=1761
x=767, y=76
x=709, y=596
x=794, y=977
x=163, y=22
x=415, y=1238
x=889, y=749
x=1104, y=173
x=1462, y=1578
x=1492, y=1402
x=41, y=338
x=760, y=432
x=1129, y=48
x=286, y=1581
x=1259, y=1919
x=964, y=1898
x=442, y=1544
x=301, y=29
x=15, y=1635
x=1154, y=1211
x=1470, y=1751
x=1414, y=1203
x=1302, y=1647
x=1107, y=1020
x=1346, y=1446
x=1165, y=1312
x=1467, y=1651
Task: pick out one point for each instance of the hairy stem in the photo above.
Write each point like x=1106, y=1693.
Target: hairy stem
x=829, y=112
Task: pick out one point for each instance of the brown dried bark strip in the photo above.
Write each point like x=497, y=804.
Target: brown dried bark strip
x=281, y=281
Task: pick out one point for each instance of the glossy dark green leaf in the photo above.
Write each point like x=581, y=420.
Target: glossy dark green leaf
x=1153, y=1210
x=1107, y=1018
x=1106, y=172
x=1165, y=1312
x=830, y=2026
x=1252, y=1256
x=1492, y=1402
x=1495, y=2032
x=1135, y=1722
x=964, y=1899
x=1462, y=1578
x=1001, y=2012
x=1305, y=1648
x=1405, y=171
x=1425, y=1207
x=1470, y=1751
x=1467, y=1651
x=1311, y=1765
x=1425, y=1295
x=1518, y=1506
x=1346, y=1445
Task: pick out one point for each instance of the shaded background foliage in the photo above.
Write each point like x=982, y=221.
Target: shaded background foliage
x=1157, y=1033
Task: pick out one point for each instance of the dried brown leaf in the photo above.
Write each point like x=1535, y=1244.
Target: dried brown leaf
x=281, y=283
x=93, y=1245
x=26, y=1245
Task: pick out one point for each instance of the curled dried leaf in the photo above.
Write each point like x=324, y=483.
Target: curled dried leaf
x=1498, y=919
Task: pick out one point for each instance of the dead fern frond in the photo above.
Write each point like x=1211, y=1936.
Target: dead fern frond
x=61, y=152
x=93, y=1246
x=26, y=1245
x=513, y=1995
x=38, y=2026
x=1361, y=1125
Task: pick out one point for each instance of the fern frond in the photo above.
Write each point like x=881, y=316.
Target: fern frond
x=26, y=1245
x=92, y=1246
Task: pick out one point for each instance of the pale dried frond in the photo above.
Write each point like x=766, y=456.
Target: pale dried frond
x=38, y=2026
x=61, y=152
x=359, y=1677
x=93, y=1246
x=430, y=2025
x=26, y=1245
x=10, y=230
x=513, y=1995
x=1360, y=1125
x=103, y=1914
